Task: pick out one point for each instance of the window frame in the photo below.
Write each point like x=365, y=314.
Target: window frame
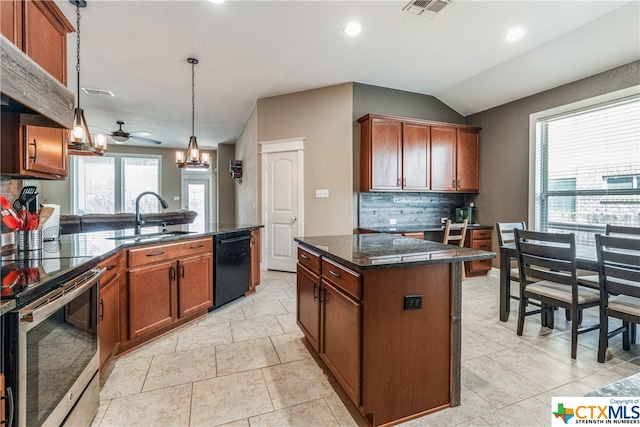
x=118, y=177
x=535, y=189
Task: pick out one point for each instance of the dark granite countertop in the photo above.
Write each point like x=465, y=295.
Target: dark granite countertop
x=417, y=228
x=382, y=250
x=627, y=387
x=6, y=306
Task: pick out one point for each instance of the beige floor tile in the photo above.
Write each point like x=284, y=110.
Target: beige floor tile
x=290, y=347
x=472, y=347
x=163, y=345
x=263, y=308
x=495, y=383
x=315, y=413
x=289, y=304
x=529, y=412
x=230, y=398
x=245, y=356
x=231, y=312
x=165, y=407
x=296, y=382
x=204, y=336
x=126, y=378
x=340, y=412
x=239, y=423
x=288, y=323
x=255, y=328
x=181, y=367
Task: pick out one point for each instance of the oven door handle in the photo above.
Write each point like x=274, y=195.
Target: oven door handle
x=41, y=308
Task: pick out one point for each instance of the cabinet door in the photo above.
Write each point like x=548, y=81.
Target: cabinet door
x=386, y=154
x=11, y=21
x=443, y=158
x=195, y=287
x=255, y=259
x=341, y=338
x=468, y=173
x=308, y=305
x=45, y=150
x=109, y=326
x=416, y=151
x=152, y=295
x=45, y=37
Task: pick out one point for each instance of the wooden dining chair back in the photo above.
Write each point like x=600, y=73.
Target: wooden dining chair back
x=547, y=265
x=622, y=231
x=619, y=271
x=455, y=236
x=505, y=231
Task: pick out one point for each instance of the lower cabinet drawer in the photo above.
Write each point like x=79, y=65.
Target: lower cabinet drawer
x=343, y=278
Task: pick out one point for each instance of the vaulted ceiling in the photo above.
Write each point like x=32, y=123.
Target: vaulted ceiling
x=254, y=49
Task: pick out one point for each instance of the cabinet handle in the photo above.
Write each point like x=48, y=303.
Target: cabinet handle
x=182, y=271
x=11, y=407
x=303, y=256
x=196, y=246
x=398, y=184
x=101, y=310
x=111, y=267
x=35, y=150
x=404, y=182
x=173, y=273
x=315, y=288
x=334, y=274
x=155, y=253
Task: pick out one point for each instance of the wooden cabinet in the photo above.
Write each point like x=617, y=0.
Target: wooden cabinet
x=167, y=284
x=255, y=261
x=109, y=310
x=340, y=325
x=394, y=155
x=478, y=239
x=399, y=154
x=39, y=29
x=393, y=363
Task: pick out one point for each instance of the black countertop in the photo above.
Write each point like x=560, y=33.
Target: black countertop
x=417, y=228
x=382, y=250
x=29, y=273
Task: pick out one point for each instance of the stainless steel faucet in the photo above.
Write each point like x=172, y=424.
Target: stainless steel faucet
x=139, y=221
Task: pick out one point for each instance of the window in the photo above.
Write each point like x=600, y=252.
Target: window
x=111, y=183
x=587, y=168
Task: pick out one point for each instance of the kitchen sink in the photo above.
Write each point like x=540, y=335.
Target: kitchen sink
x=160, y=235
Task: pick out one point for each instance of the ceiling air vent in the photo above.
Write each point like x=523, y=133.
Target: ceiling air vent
x=102, y=92
x=426, y=8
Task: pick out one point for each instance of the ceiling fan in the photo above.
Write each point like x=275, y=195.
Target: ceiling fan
x=121, y=136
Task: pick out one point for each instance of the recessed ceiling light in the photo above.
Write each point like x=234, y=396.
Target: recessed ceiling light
x=352, y=29
x=514, y=34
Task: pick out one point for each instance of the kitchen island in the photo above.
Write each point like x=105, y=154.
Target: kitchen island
x=383, y=312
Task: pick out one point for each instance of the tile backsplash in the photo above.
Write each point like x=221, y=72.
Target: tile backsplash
x=377, y=209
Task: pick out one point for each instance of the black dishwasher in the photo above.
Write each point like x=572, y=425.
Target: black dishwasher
x=232, y=266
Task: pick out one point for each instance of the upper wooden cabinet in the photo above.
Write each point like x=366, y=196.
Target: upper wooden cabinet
x=40, y=30
x=398, y=154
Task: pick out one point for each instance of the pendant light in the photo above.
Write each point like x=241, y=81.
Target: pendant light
x=192, y=158
x=80, y=142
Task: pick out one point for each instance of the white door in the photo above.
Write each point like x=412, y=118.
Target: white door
x=196, y=196
x=283, y=204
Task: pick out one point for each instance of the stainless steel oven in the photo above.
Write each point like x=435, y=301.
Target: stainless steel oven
x=55, y=367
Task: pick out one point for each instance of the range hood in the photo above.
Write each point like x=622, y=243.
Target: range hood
x=27, y=89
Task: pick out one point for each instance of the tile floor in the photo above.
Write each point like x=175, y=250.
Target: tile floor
x=245, y=364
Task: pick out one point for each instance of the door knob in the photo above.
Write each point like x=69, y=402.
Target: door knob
x=293, y=219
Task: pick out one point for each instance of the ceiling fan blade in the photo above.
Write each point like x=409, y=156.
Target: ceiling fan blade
x=140, y=133
x=139, y=138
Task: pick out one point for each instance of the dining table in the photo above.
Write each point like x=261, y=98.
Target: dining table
x=507, y=253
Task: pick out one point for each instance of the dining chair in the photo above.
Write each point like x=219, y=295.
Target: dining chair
x=456, y=236
x=547, y=265
x=506, y=236
x=593, y=280
x=619, y=272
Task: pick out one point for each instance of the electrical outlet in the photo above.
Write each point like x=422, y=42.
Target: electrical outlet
x=412, y=302
x=392, y=221
x=322, y=193
x=443, y=220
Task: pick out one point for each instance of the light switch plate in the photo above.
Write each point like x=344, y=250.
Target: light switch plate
x=322, y=193
x=392, y=221
x=176, y=198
